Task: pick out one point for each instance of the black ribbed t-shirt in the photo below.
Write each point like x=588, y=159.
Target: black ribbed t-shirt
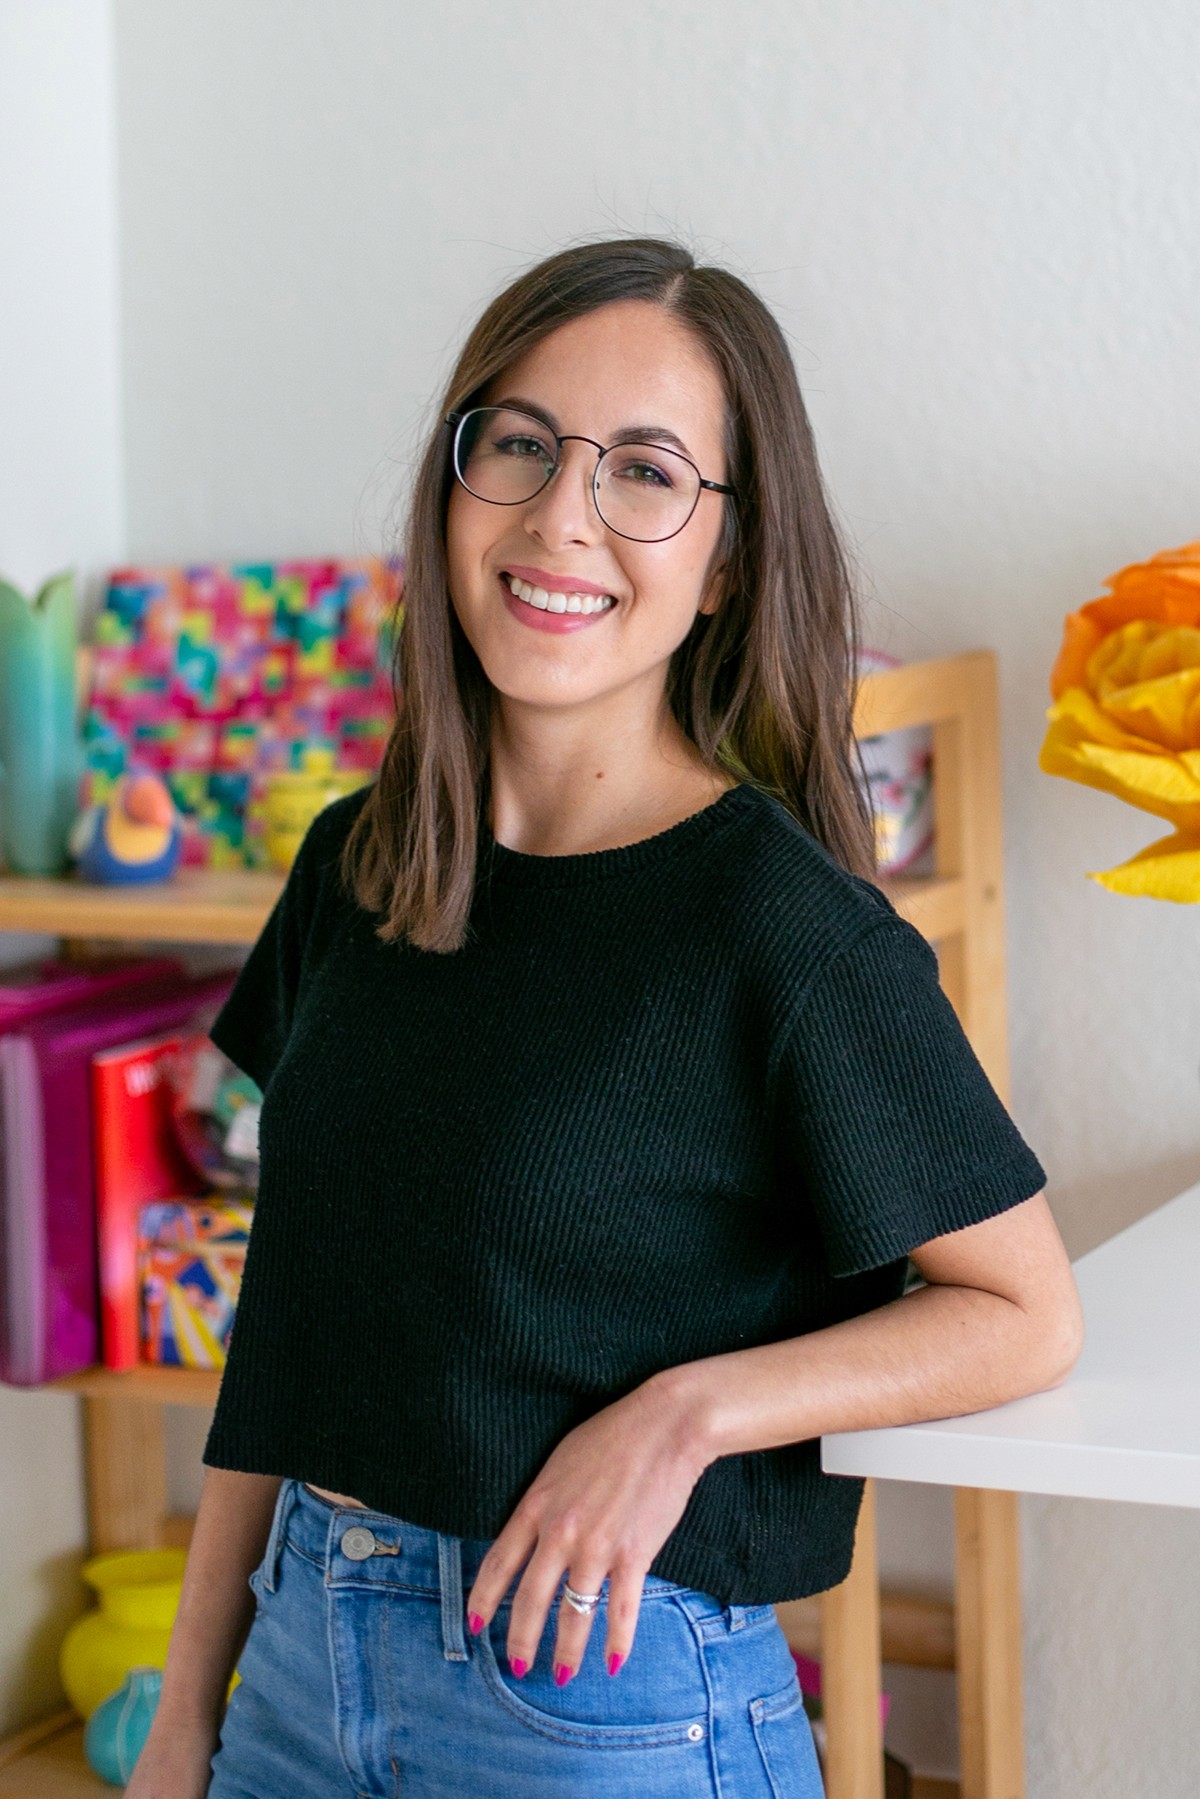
x=670, y=1100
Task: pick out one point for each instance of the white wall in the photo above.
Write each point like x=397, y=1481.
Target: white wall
x=977, y=223
x=60, y=506
x=60, y=467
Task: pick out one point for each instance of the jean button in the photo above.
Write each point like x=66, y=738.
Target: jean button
x=695, y=1732
x=358, y=1543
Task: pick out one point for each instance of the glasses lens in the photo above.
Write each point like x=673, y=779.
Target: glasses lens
x=646, y=492
x=504, y=456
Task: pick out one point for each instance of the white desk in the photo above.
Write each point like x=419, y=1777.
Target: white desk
x=1125, y=1425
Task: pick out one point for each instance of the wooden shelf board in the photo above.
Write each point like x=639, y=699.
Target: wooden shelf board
x=935, y=904
x=916, y=693
x=917, y=1631
x=155, y=1386
x=47, y=1762
x=198, y=905
x=231, y=905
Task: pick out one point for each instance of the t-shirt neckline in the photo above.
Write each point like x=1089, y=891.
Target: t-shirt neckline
x=520, y=868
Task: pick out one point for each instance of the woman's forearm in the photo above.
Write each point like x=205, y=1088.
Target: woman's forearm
x=939, y=1352
x=216, y=1607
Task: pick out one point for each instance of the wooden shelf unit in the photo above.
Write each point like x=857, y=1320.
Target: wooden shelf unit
x=47, y=1762
x=959, y=909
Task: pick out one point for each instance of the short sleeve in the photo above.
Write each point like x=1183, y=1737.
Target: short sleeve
x=252, y=1026
x=884, y=1111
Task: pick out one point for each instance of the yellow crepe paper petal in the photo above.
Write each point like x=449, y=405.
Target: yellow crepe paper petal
x=1166, y=870
x=1155, y=783
x=1117, y=659
x=1079, y=719
x=1161, y=710
x=1174, y=647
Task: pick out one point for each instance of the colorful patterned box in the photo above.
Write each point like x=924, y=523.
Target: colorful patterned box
x=216, y=677
x=191, y=1257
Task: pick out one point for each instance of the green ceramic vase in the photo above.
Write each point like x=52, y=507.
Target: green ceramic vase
x=39, y=739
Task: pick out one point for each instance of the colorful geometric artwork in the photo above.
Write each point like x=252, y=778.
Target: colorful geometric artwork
x=217, y=676
x=192, y=1255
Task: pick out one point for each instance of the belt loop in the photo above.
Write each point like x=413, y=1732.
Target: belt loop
x=454, y=1644
x=283, y=1505
x=735, y=1616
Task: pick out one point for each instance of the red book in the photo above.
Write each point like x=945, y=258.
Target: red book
x=137, y=1160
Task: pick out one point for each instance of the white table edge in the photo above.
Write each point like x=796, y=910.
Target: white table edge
x=1010, y=1453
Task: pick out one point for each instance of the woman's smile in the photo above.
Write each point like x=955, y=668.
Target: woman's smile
x=553, y=608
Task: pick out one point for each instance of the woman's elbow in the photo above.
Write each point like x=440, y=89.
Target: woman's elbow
x=1058, y=1342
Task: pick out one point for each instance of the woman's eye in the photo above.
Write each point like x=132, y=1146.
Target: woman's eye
x=640, y=473
x=524, y=446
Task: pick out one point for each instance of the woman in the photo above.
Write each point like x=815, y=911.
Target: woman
x=606, y=1099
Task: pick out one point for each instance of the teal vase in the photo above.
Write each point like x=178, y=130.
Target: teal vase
x=39, y=739
x=119, y=1726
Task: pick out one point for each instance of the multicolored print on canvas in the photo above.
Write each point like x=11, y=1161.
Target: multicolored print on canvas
x=218, y=676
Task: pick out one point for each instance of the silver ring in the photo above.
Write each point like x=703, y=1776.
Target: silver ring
x=583, y=1602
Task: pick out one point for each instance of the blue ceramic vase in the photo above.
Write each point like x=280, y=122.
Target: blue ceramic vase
x=119, y=1726
x=39, y=740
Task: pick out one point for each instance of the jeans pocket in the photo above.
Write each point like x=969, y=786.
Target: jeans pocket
x=661, y=1703
x=785, y=1742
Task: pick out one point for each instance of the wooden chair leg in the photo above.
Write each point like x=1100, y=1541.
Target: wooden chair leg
x=988, y=1631
x=850, y=1657
x=126, y=1473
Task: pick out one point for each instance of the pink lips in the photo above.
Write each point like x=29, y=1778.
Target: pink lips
x=537, y=577
x=550, y=621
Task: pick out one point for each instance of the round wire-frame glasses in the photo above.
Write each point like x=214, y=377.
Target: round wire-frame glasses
x=533, y=473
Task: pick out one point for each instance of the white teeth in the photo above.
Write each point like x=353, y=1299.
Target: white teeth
x=559, y=602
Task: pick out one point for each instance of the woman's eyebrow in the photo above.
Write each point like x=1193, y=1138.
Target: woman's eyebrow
x=517, y=403
x=656, y=434
x=628, y=434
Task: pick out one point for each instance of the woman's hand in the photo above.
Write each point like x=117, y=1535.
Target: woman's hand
x=604, y=1504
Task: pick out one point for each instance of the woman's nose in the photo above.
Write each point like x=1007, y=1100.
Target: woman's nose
x=565, y=510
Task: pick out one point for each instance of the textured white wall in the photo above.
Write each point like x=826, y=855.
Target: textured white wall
x=978, y=223
x=60, y=506
x=60, y=473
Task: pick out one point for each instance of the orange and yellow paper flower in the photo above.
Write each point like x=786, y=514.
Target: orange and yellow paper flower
x=1126, y=713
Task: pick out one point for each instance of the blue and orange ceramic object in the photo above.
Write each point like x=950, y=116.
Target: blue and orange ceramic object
x=134, y=836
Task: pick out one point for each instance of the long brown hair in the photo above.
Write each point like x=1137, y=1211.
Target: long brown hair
x=764, y=687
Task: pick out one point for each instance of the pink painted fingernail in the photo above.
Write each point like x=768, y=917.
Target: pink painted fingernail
x=518, y=1666
x=562, y=1674
x=614, y=1662
x=475, y=1622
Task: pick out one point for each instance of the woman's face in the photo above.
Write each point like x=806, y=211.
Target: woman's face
x=628, y=368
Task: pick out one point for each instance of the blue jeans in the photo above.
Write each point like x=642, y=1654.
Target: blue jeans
x=359, y=1677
